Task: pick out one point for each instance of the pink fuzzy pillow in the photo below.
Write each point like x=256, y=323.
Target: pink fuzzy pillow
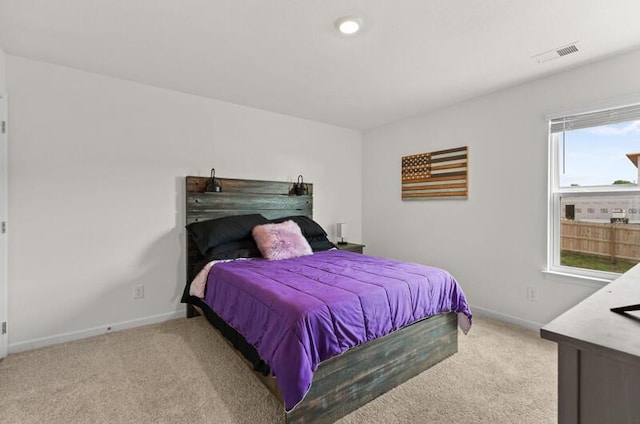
x=281, y=241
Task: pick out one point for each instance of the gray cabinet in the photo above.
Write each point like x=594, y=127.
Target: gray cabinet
x=599, y=356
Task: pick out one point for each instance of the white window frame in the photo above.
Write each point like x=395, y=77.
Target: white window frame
x=555, y=193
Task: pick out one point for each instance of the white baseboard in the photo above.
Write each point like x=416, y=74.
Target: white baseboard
x=488, y=313
x=90, y=332
x=155, y=319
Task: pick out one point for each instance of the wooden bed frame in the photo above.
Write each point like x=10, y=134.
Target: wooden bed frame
x=344, y=383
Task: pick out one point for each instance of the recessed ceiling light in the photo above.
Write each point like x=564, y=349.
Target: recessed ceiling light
x=348, y=25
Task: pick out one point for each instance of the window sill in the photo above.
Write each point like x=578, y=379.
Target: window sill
x=580, y=280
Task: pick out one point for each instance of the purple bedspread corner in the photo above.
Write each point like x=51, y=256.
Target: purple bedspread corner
x=299, y=312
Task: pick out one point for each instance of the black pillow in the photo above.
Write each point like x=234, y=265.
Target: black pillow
x=214, y=232
x=234, y=250
x=309, y=227
x=320, y=243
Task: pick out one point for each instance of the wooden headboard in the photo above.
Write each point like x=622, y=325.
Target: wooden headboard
x=238, y=197
x=272, y=199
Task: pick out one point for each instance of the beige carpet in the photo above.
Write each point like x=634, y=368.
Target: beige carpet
x=182, y=372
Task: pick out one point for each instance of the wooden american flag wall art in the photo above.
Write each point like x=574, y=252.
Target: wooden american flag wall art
x=436, y=175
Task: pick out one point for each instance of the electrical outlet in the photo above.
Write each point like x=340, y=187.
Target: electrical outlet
x=138, y=291
x=532, y=294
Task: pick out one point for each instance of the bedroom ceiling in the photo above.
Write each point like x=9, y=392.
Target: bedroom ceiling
x=286, y=56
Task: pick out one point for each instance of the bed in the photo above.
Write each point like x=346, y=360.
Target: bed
x=355, y=373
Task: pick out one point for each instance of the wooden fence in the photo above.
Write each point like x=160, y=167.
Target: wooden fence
x=612, y=240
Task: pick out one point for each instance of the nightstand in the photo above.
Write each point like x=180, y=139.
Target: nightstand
x=351, y=247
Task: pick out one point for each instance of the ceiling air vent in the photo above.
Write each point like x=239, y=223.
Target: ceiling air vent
x=556, y=53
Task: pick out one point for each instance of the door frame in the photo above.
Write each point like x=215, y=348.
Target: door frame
x=4, y=206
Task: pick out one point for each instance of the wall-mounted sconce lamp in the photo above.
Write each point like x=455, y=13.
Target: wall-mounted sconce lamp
x=212, y=185
x=341, y=232
x=300, y=188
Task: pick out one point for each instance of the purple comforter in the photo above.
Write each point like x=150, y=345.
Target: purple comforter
x=298, y=312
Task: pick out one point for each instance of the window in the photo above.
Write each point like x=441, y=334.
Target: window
x=594, y=224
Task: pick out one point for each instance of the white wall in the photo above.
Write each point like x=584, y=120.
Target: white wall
x=96, y=174
x=3, y=72
x=494, y=243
